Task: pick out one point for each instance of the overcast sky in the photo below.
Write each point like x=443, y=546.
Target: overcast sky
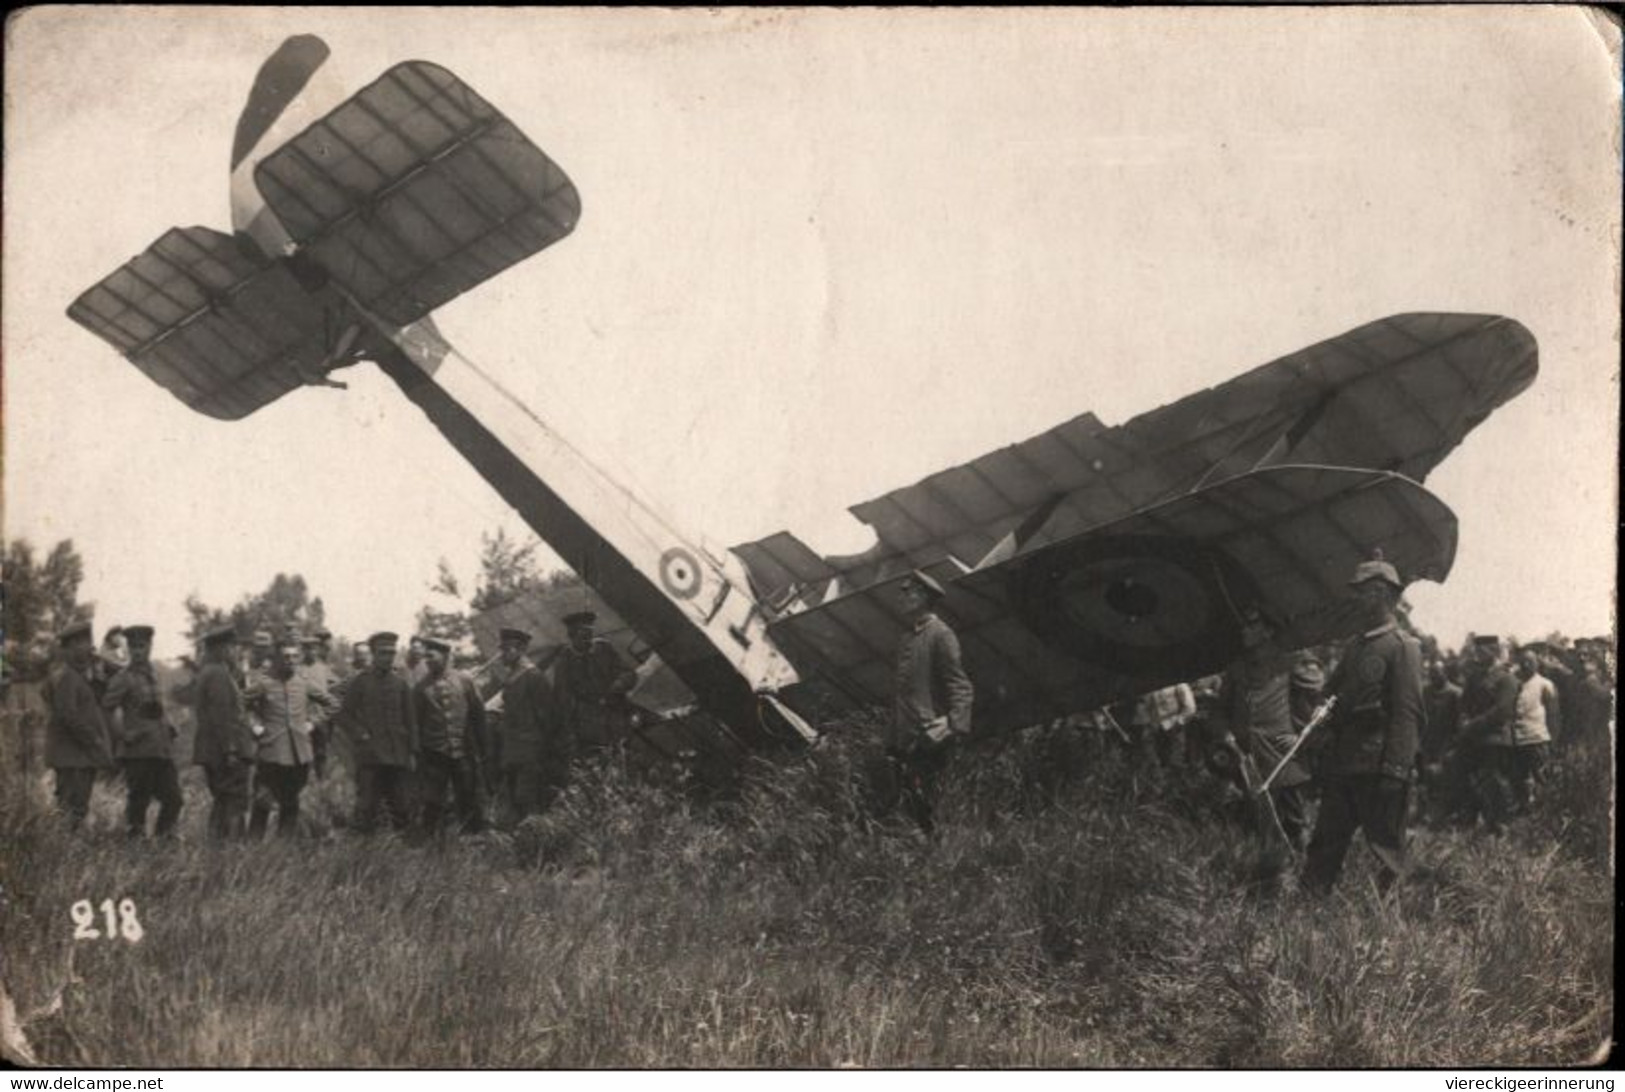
x=822, y=255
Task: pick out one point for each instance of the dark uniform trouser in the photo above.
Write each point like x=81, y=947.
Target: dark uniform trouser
x=73, y=785
x=436, y=773
x=1357, y=802
x=277, y=786
x=386, y=787
x=1528, y=760
x=1292, y=809
x=228, y=786
x=1490, y=776
x=919, y=776
x=149, y=779
x=533, y=787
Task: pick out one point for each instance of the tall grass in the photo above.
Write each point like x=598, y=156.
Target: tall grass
x=1069, y=914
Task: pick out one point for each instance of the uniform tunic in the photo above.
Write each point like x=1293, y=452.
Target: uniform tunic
x=222, y=729
x=931, y=683
x=142, y=729
x=379, y=717
x=1376, y=727
x=287, y=707
x=592, y=687
x=78, y=738
x=450, y=716
x=1256, y=702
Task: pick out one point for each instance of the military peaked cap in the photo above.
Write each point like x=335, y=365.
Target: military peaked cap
x=437, y=645
x=74, y=633
x=138, y=633
x=579, y=618
x=518, y=635
x=926, y=584
x=384, y=639
x=219, y=635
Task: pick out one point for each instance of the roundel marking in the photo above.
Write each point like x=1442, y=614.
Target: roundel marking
x=680, y=573
x=1133, y=603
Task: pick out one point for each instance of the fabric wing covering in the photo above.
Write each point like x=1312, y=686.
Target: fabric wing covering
x=1397, y=394
x=212, y=321
x=414, y=191
x=1285, y=538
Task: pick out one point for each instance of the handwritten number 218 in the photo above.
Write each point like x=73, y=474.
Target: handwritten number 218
x=122, y=923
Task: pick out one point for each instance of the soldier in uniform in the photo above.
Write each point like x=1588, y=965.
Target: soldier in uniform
x=77, y=742
x=378, y=717
x=1255, y=717
x=287, y=702
x=1372, y=737
x=222, y=745
x=261, y=652
x=319, y=673
x=932, y=704
x=414, y=668
x=144, y=738
x=451, y=739
x=592, y=683
x=1489, y=705
x=537, y=744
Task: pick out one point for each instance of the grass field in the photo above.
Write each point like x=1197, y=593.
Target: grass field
x=1076, y=918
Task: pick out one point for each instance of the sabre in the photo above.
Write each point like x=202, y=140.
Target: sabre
x=1324, y=711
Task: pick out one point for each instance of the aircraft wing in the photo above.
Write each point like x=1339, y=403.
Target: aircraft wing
x=415, y=190
x=213, y=321
x=1397, y=394
x=1071, y=624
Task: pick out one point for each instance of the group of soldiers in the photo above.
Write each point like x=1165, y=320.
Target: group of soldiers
x=419, y=735
x=1390, y=732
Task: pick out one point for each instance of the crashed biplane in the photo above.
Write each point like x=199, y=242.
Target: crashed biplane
x=1084, y=565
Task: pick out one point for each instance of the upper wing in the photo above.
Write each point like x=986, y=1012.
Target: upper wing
x=214, y=322
x=1144, y=601
x=414, y=191
x=1397, y=394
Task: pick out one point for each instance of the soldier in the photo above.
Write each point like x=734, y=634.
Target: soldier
x=261, y=652
x=1489, y=704
x=932, y=704
x=1372, y=737
x=77, y=742
x=1255, y=717
x=592, y=683
x=1443, y=775
x=286, y=701
x=222, y=745
x=414, y=668
x=537, y=743
x=144, y=738
x=319, y=673
x=451, y=739
x=378, y=717
x=1534, y=724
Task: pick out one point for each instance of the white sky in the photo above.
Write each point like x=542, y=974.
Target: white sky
x=822, y=255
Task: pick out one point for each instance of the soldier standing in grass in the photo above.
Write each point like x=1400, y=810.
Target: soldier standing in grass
x=287, y=701
x=932, y=703
x=1489, y=705
x=537, y=744
x=592, y=683
x=222, y=745
x=1255, y=717
x=144, y=737
x=378, y=717
x=77, y=742
x=1372, y=737
x=319, y=673
x=451, y=739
